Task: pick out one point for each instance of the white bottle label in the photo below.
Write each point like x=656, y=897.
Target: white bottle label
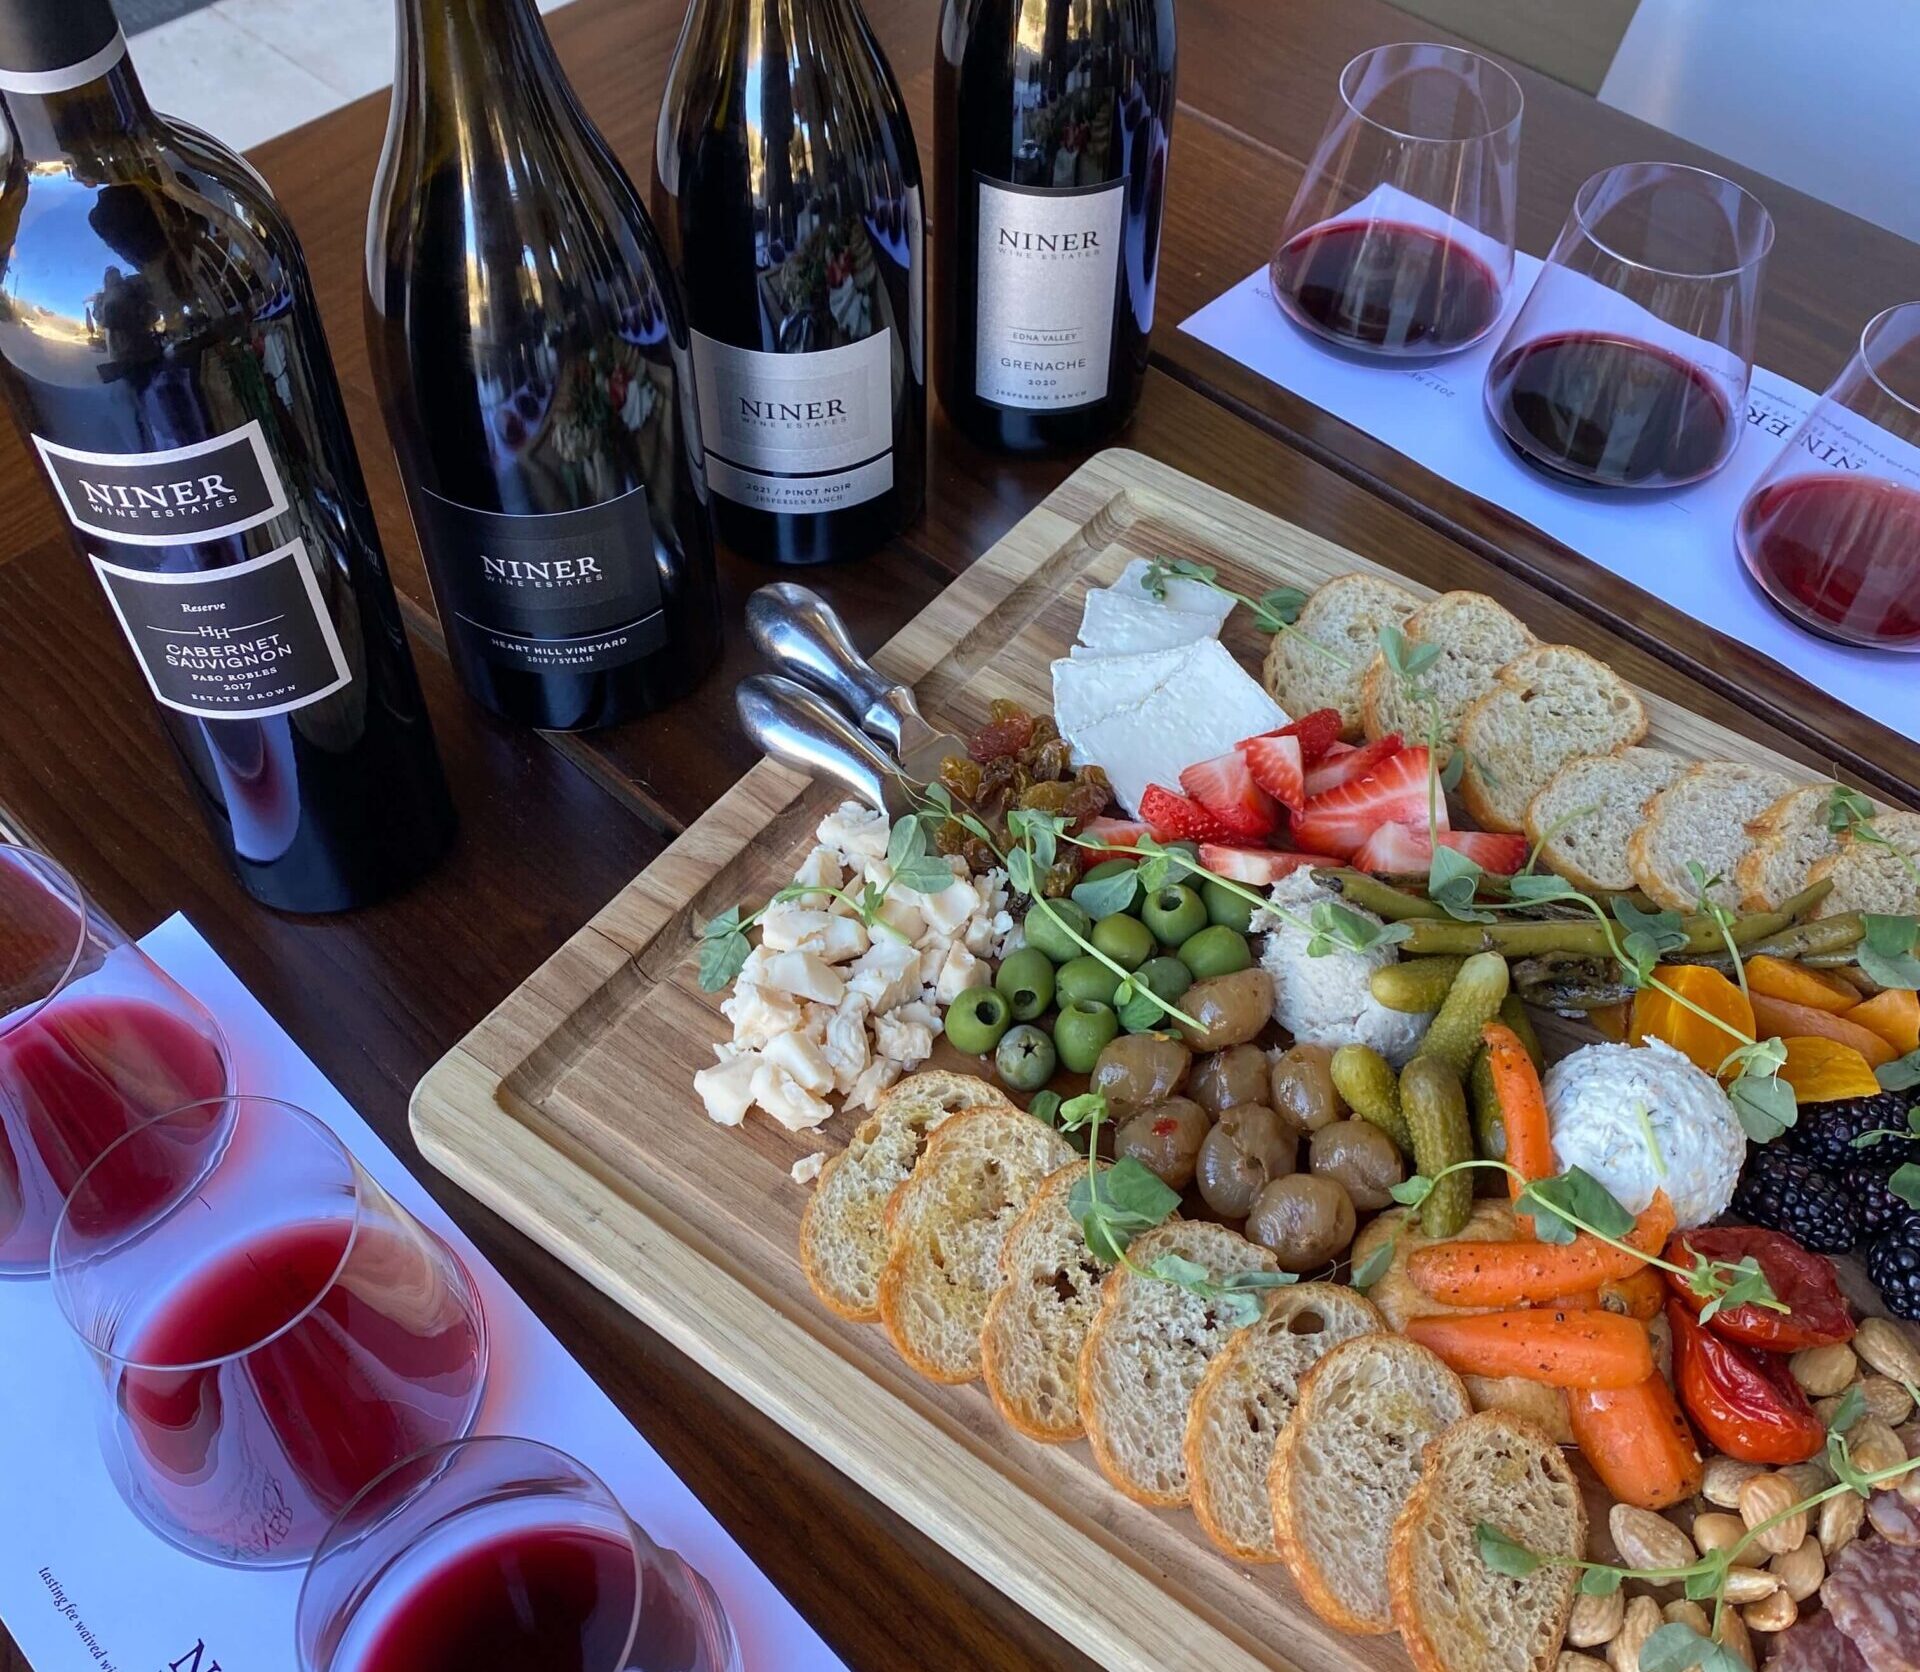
x=797, y=432
x=1049, y=268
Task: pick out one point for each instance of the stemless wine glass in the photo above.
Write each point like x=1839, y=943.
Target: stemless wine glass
x=1627, y=365
x=95, y=1038
x=269, y=1344
x=502, y=1555
x=1831, y=533
x=1400, y=238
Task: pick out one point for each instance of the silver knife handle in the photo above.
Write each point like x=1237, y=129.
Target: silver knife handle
x=795, y=727
x=801, y=634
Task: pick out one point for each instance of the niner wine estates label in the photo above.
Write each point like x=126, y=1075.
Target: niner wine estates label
x=1048, y=281
x=797, y=432
x=566, y=592
x=252, y=640
x=205, y=491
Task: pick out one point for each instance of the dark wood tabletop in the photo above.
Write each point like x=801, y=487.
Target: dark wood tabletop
x=552, y=826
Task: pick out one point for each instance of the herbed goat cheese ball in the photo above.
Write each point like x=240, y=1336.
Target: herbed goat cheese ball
x=1642, y=1118
x=1327, y=1001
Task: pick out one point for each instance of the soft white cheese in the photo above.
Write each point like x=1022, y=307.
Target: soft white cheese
x=1091, y=689
x=1118, y=623
x=1187, y=597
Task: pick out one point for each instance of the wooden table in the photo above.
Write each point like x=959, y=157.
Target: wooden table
x=552, y=826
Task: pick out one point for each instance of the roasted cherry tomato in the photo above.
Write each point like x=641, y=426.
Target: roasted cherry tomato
x=1743, y=1402
x=1817, y=1313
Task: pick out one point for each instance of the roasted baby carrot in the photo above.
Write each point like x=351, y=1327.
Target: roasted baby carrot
x=1542, y=1344
x=1638, y=1441
x=1523, y=1106
x=1513, y=1273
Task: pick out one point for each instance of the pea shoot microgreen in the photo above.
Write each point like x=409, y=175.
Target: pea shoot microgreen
x=1900, y=1075
x=1709, y=907
x=1887, y=950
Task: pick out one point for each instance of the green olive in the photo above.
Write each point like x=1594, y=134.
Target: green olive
x=1026, y=1058
x=1126, y=940
x=1082, y=1030
x=1174, y=914
x=1217, y=950
x=977, y=1019
x=1042, y=931
x=1226, y=908
x=1025, y=980
x=1165, y=978
x=1084, y=978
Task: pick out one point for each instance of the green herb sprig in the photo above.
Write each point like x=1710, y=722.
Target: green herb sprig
x=1274, y=611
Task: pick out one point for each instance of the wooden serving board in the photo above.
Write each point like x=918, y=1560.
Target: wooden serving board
x=570, y=1111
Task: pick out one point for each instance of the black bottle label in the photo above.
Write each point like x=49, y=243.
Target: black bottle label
x=568, y=592
x=250, y=640
x=187, y=494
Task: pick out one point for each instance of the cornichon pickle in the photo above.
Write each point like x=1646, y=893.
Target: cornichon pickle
x=1372, y=1091
x=1489, y=1119
x=1415, y=985
x=1471, y=1002
x=1435, y=1105
x=1514, y=1012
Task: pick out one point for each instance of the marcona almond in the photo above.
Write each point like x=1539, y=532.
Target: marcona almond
x=1824, y=1370
x=1714, y=1529
x=1596, y=1619
x=1642, y=1621
x=1774, y=1613
x=1649, y=1541
x=1889, y=1349
x=1733, y=1637
x=1572, y=1661
x=1749, y=1584
x=1800, y=1571
x=1807, y=1478
x=1886, y=1399
x=1763, y=1500
x=1874, y=1446
x=1723, y=1479
x=1840, y=1520
x=1681, y=1612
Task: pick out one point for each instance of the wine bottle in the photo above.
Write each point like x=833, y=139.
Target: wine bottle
x=161, y=351
x=1051, y=120
x=788, y=186
x=531, y=353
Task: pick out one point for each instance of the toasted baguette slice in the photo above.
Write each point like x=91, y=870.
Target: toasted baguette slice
x=1150, y=1344
x=843, y=1236
x=1453, y=1612
x=1548, y=706
x=1037, y=1321
x=1244, y=1401
x=1477, y=638
x=1701, y=818
x=1344, y=616
x=945, y=1227
x=1872, y=877
x=1346, y=1464
x=1789, y=839
x=1584, y=817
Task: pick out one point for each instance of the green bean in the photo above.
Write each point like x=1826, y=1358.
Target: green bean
x=1392, y=905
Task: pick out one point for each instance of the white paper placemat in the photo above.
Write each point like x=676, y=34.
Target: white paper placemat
x=85, y=1587
x=1677, y=546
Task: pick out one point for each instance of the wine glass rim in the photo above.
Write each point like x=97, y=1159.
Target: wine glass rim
x=1582, y=204
x=52, y=870
x=1867, y=332
x=1458, y=52
x=56, y=1270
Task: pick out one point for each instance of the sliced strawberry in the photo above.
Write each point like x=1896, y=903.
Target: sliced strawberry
x=1275, y=764
x=1335, y=770
x=1494, y=853
x=1171, y=817
x=1318, y=733
x=1403, y=850
x=1257, y=867
x=1225, y=787
x=1113, y=833
x=1341, y=819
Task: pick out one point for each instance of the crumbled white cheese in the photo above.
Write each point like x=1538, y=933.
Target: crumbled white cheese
x=807, y=1168
x=788, y=926
x=727, y=1088
x=902, y=1040
x=853, y=829
x=961, y=971
x=845, y=1045
x=790, y=1103
x=820, y=870
x=759, y=1014
x=804, y=974
x=804, y=1062
x=878, y=1075
x=886, y=974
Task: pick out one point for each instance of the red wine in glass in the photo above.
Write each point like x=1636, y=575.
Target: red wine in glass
x=1841, y=553
x=1386, y=285
x=1610, y=412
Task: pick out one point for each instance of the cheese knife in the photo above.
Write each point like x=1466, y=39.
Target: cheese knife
x=799, y=728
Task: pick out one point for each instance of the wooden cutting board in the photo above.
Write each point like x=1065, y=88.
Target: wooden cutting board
x=570, y=1111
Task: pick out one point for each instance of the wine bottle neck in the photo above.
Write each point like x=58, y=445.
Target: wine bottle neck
x=69, y=87
x=490, y=39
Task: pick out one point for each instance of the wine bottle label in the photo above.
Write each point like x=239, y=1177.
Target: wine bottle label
x=567, y=592
x=797, y=432
x=250, y=640
x=1047, y=284
x=188, y=494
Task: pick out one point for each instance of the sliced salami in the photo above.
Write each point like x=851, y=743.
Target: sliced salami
x=1815, y=1644
x=1873, y=1594
x=1894, y=1518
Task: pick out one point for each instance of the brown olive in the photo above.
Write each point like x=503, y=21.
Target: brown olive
x=1226, y=1078
x=1165, y=1138
x=1303, y=1087
x=1306, y=1221
x=1249, y=1146
x=1141, y=1068
x=1231, y=1009
x=1361, y=1159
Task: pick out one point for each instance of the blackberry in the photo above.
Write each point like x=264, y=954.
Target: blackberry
x=1893, y=1262
x=1788, y=1193
x=1879, y=1209
x=1825, y=1132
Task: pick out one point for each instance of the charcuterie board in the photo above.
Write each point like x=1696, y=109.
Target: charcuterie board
x=570, y=1111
